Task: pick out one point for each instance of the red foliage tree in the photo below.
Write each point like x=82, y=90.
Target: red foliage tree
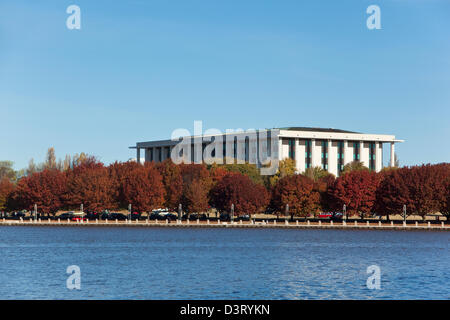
x=173, y=183
x=6, y=190
x=322, y=186
x=442, y=192
x=143, y=188
x=299, y=193
x=91, y=184
x=423, y=189
x=217, y=173
x=189, y=174
x=238, y=189
x=357, y=190
x=393, y=192
x=46, y=189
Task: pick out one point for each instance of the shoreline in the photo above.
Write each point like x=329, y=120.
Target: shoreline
x=223, y=224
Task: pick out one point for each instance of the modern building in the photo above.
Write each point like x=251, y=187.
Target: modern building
x=330, y=149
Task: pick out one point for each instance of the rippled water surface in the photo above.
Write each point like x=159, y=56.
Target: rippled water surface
x=171, y=263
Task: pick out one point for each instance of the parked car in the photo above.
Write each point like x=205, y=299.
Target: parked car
x=244, y=217
x=78, y=216
x=337, y=216
x=117, y=215
x=66, y=215
x=325, y=215
x=135, y=216
x=224, y=216
x=92, y=215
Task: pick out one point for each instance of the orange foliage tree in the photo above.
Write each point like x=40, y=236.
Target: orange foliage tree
x=6, y=190
x=299, y=193
x=46, y=189
x=143, y=188
x=90, y=183
x=173, y=182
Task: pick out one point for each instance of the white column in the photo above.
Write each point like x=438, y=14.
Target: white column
x=138, y=155
x=348, y=155
x=364, y=154
x=313, y=150
x=317, y=157
x=332, y=158
x=281, y=155
x=378, y=157
x=300, y=150
x=392, y=164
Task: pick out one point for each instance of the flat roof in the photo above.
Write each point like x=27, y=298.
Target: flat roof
x=317, y=129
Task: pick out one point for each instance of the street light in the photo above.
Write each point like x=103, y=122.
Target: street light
x=232, y=213
x=344, y=212
x=129, y=212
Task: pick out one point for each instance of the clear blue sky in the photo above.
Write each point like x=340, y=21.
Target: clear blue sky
x=137, y=70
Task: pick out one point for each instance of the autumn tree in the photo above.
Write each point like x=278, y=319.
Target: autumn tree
x=357, y=190
x=189, y=174
x=90, y=183
x=238, y=189
x=298, y=192
x=423, y=182
x=46, y=189
x=442, y=192
x=393, y=192
x=6, y=190
x=173, y=182
x=143, y=187
x=196, y=196
x=322, y=185
x=286, y=167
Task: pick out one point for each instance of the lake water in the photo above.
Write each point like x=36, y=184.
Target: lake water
x=172, y=263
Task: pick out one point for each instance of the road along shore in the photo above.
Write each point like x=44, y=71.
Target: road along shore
x=368, y=225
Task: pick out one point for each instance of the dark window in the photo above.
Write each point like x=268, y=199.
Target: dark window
x=307, y=153
x=291, y=143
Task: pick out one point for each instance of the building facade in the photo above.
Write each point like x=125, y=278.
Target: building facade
x=330, y=149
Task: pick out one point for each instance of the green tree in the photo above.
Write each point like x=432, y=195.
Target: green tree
x=7, y=171
x=354, y=166
x=316, y=173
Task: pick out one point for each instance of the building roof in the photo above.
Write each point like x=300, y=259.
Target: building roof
x=317, y=129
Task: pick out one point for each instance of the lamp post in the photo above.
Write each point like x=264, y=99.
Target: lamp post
x=287, y=210
x=35, y=212
x=129, y=212
x=179, y=211
x=344, y=212
x=232, y=213
x=404, y=212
